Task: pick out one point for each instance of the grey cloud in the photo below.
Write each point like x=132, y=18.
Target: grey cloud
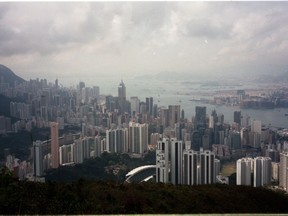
x=206, y=28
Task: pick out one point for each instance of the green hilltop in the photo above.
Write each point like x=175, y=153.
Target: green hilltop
x=90, y=197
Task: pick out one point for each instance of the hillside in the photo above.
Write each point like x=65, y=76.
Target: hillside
x=83, y=197
x=8, y=76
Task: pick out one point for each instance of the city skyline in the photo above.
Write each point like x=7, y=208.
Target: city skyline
x=106, y=39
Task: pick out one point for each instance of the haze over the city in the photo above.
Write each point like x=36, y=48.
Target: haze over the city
x=87, y=40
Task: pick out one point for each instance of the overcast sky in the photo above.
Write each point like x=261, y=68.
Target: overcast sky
x=52, y=39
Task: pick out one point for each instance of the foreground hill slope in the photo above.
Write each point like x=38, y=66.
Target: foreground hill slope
x=84, y=197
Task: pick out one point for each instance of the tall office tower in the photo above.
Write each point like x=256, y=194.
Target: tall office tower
x=142, y=107
x=256, y=126
x=205, y=142
x=245, y=120
x=221, y=119
x=244, y=168
x=164, y=117
x=244, y=134
x=38, y=156
x=221, y=135
x=122, y=97
x=207, y=171
x=200, y=117
x=176, y=161
x=81, y=85
x=54, y=144
x=283, y=169
x=262, y=171
x=196, y=140
x=137, y=137
x=254, y=139
x=235, y=140
x=96, y=92
x=155, y=110
x=190, y=166
x=174, y=114
x=135, y=105
x=211, y=121
x=117, y=140
x=162, y=161
x=149, y=105
x=217, y=127
x=237, y=117
x=178, y=130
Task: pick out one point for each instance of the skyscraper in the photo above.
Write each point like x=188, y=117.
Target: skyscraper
x=200, y=117
x=149, y=105
x=135, y=105
x=54, y=144
x=122, y=96
x=237, y=117
x=164, y=117
x=174, y=114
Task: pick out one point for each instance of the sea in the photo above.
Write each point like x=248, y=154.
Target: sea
x=185, y=93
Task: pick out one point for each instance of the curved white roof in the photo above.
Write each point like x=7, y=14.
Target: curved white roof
x=138, y=169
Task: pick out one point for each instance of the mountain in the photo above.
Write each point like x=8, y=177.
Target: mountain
x=8, y=76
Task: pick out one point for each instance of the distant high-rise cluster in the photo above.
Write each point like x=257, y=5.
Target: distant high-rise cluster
x=189, y=151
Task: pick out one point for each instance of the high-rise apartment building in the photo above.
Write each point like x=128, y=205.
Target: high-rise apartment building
x=38, y=156
x=162, y=161
x=137, y=138
x=190, y=167
x=207, y=168
x=54, y=144
x=283, y=171
x=244, y=169
x=176, y=160
x=262, y=171
x=117, y=140
x=199, y=167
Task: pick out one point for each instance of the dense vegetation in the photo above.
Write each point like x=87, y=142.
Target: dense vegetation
x=90, y=197
x=110, y=166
